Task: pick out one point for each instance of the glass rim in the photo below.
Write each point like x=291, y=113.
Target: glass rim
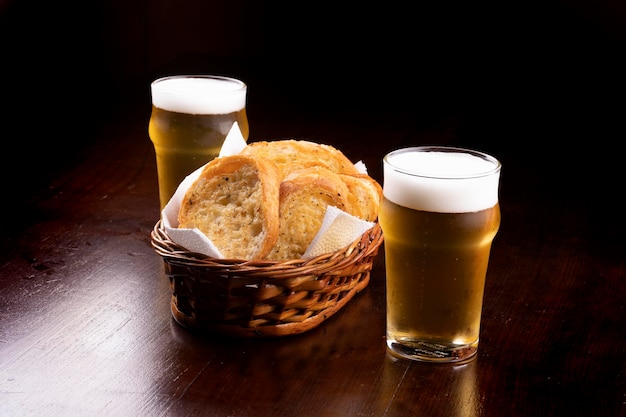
x=497, y=166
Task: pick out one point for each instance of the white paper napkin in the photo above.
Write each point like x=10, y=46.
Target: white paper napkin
x=338, y=228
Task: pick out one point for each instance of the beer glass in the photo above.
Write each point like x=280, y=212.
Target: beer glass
x=191, y=116
x=439, y=215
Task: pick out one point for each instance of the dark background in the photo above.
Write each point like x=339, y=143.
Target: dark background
x=538, y=83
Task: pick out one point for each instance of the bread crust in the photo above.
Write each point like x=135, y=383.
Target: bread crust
x=290, y=155
x=235, y=202
x=364, y=196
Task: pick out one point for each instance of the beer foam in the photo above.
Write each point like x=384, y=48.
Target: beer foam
x=446, y=181
x=199, y=95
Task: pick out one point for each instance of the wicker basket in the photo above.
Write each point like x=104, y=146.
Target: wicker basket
x=263, y=298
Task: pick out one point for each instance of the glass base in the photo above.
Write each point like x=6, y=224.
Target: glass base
x=424, y=351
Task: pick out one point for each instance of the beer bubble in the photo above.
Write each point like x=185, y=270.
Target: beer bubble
x=445, y=180
x=199, y=94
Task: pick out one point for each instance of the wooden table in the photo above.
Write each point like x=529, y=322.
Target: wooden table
x=86, y=330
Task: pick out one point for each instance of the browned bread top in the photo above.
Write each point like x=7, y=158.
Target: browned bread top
x=290, y=155
x=269, y=201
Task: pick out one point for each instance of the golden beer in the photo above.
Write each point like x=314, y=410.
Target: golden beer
x=436, y=257
x=191, y=117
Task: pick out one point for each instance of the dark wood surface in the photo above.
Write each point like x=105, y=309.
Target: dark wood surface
x=85, y=326
x=85, y=323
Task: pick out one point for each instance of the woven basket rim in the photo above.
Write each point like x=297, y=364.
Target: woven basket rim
x=175, y=254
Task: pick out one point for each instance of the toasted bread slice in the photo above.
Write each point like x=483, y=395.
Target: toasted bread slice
x=365, y=196
x=304, y=196
x=234, y=203
x=291, y=155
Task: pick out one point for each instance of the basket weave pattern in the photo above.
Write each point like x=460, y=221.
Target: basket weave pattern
x=263, y=298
